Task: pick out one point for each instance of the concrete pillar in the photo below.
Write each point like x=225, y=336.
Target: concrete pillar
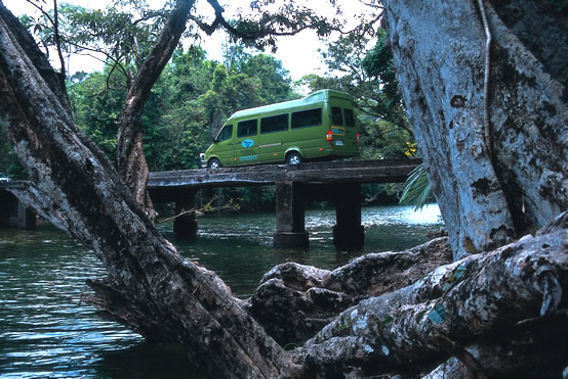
x=348, y=231
x=290, y=211
x=14, y=213
x=26, y=217
x=185, y=226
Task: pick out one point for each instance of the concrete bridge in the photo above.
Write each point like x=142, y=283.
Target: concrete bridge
x=337, y=181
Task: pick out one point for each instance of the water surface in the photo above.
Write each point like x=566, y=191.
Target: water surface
x=47, y=331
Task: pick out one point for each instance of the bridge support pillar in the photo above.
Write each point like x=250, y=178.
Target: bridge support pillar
x=185, y=226
x=15, y=213
x=348, y=231
x=290, y=211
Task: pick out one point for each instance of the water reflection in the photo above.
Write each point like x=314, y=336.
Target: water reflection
x=45, y=330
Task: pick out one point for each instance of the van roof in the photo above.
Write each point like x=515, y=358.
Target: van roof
x=312, y=98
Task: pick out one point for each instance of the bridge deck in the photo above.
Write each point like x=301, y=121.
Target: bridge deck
x=365, y=171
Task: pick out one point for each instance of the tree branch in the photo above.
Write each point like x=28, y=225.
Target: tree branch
x=57, y=37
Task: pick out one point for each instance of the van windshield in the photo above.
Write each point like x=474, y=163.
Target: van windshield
x=225, y=133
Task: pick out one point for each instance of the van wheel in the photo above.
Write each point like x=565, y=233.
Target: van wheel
x=214, y=164
x=294, y=158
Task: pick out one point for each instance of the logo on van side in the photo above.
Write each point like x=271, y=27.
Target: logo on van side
x=247, y=143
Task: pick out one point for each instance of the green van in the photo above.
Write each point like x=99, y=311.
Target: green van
x=316, y=127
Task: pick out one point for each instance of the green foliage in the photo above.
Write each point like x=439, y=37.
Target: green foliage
x=97, y=99
x=368, y=75
x=388, y=104
x=9, y=163
x=187, y=105
x=417, y=190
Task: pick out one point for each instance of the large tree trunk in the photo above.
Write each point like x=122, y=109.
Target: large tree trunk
x=490, y=186
x=149, y=288
x=132, y=163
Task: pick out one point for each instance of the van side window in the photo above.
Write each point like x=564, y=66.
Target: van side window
x=246, y=128
x=336, y=117
x=349, y=118
x=225, y=133
x=274, y=124
x=311, y=117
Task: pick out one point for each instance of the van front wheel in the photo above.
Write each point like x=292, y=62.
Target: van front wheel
x=294, y=158
x=214, y=164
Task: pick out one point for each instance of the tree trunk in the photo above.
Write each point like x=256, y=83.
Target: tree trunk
x=490, y=187
x=149, y=288
x=132, y=163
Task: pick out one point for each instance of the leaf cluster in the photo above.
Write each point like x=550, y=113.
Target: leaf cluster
x=368, y=75
x=187, y=106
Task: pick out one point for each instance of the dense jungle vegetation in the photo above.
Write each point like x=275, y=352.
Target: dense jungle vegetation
x=195, y=95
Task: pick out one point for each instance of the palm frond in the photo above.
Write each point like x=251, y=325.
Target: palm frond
x=417, y=190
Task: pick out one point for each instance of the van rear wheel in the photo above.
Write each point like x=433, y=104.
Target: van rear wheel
x=214, y=164
x=293, y=158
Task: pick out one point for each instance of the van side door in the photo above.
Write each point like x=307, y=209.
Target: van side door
x=273, y=133
x=247, y=137
x=308, y=132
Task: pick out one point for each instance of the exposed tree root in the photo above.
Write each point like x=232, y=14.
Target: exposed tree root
x=295, y=301
x=466, y=301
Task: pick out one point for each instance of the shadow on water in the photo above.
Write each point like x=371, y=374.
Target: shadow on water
x=45, y=330
x=147, y=360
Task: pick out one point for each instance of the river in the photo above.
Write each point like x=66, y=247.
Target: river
x=46, y=331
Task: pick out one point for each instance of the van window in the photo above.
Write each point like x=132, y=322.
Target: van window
x=274, y=124
x=225, y=133
x=336, y=117
x=246, y=128
x=349, y=118
x=311, y=117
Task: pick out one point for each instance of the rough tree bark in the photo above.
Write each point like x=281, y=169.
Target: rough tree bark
x=439, y=55
x=153, y=291
x=149, y=288
x=132, y=163
x=293, y=302
x=482, y=295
